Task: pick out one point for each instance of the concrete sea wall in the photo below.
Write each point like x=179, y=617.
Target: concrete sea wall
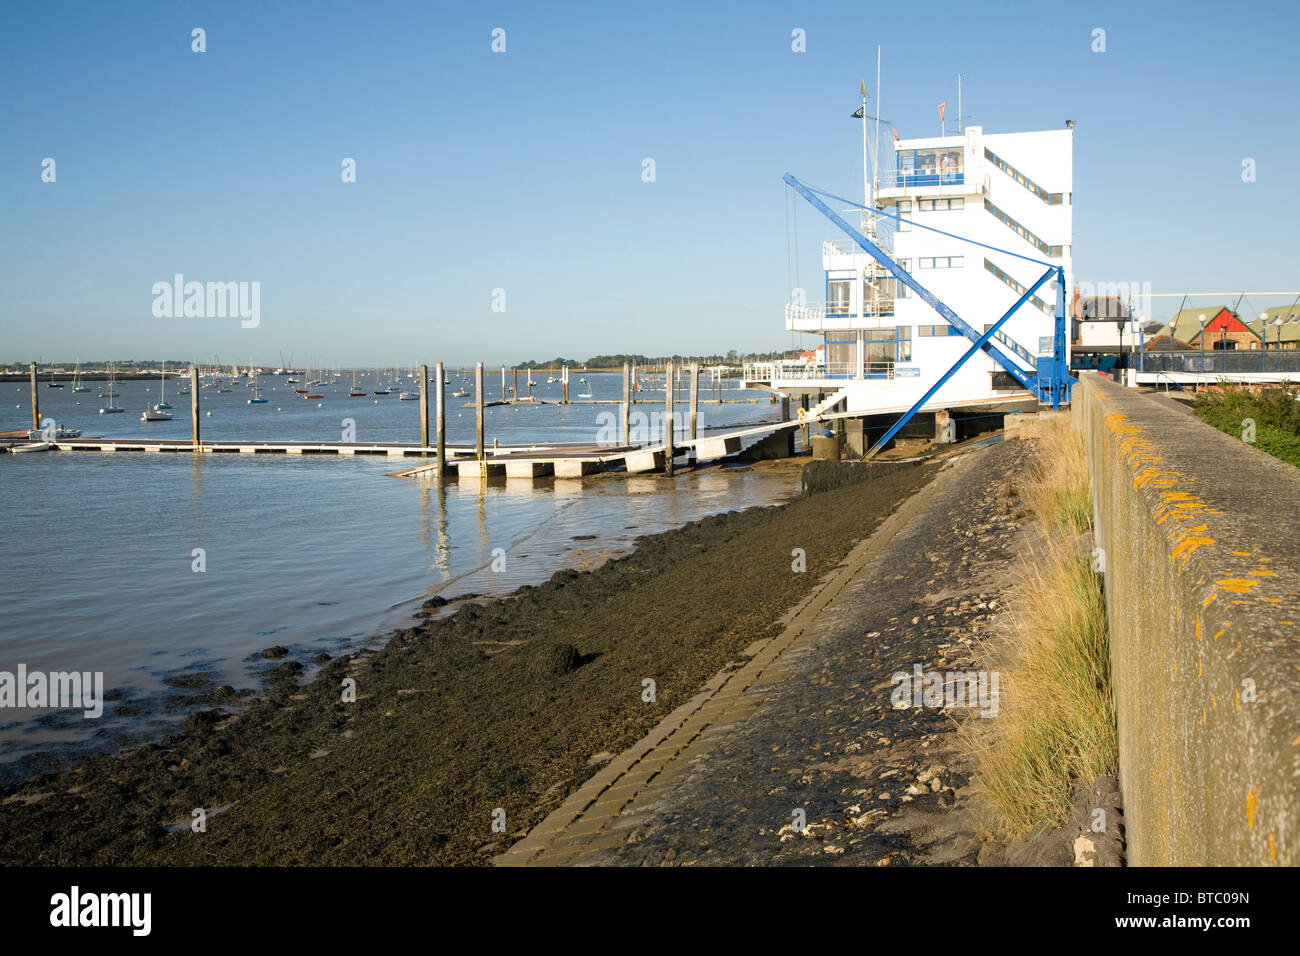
x=1201, y=546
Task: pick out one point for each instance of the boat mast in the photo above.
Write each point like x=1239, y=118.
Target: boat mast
x=866, y=182
x=875, y=154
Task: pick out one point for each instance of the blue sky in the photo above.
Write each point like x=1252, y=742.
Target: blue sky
x=522, y=171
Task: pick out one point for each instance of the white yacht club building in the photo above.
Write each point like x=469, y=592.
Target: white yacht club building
x=884, y=346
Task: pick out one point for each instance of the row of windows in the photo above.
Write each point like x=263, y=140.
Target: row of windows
x=881, y=347
x=1053, y=199
x=1053, y=251
x=1010, y=281
x=931, y=205
x=838, y=291
x=941, y=262
x=925, y=205
x=937, y=330
x=944, y=161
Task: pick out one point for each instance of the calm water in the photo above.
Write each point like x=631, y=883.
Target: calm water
x=314, y=553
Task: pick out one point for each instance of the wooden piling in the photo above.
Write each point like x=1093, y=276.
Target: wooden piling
x=807, y=439
x=695, y=396
x=440, y=422
x=36, y=402
x=424, y=406
x=668, y=421
x=478, y=410
x=626, y=410
x=195, y=436
x=503, y=383
x=694, y=409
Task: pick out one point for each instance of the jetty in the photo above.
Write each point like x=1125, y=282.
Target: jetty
x=483, y=460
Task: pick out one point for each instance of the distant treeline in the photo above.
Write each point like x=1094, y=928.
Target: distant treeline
x=616, y=361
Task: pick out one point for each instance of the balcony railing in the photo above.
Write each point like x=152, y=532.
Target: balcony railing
x=837, y=312
x=907, y=178
x=849, y=247
x=791, y=371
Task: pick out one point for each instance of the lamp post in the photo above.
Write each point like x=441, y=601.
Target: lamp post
x=1263, y=334
x=1201, y=318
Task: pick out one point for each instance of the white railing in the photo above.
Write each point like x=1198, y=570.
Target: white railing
x=820, y=311
x=970, y=180
x=795, y=371
x=848, y=247
x=805, y=311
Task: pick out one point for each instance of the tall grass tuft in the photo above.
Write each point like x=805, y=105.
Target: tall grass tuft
x=1058, y=488
x=1055, y=730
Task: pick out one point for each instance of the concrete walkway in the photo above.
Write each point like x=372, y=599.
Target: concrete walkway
x=805, y=725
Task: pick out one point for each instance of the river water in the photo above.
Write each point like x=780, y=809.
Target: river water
x=149, y=567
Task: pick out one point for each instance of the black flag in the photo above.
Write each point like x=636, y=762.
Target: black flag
x=858, y=114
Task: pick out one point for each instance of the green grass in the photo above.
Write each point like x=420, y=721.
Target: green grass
x=1056, y=731
x=1274, y=410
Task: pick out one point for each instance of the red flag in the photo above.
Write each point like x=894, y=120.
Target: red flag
x=942, y=107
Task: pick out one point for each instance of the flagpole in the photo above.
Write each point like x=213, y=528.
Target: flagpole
x=875, y=146
x=866, y=183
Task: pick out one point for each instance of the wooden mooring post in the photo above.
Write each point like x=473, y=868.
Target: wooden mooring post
x=440, y=422
x=807, y=433
x=194, y=408
x=36, y=401
x=478, y=411
x=424, y=406
x=668, y=421
x=695, y=404
x=625, y=416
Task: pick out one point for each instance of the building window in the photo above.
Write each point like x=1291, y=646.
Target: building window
x=941, y=262
x=927, y=167
x=878, y=302
x=901, y=291
x=904, y=209
x=884, y=347
x=838, y=297
x=937, y=330
x=932, y=205
x=840, y=356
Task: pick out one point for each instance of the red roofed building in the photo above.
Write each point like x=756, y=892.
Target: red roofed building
x=1225, y=331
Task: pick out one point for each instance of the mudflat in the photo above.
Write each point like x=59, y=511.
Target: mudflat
x=489, y=715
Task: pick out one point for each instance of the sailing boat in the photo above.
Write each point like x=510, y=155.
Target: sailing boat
x=159, y=412
x=256, y=399
x=113, y=408
x=354, y=393
x=76, y=379
x=381, y=389
x=162, y=405
x=54, y=384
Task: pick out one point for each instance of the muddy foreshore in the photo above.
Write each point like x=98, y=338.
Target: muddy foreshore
x=456, y=718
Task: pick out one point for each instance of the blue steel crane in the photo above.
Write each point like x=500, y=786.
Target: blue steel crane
x=1050, y=380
